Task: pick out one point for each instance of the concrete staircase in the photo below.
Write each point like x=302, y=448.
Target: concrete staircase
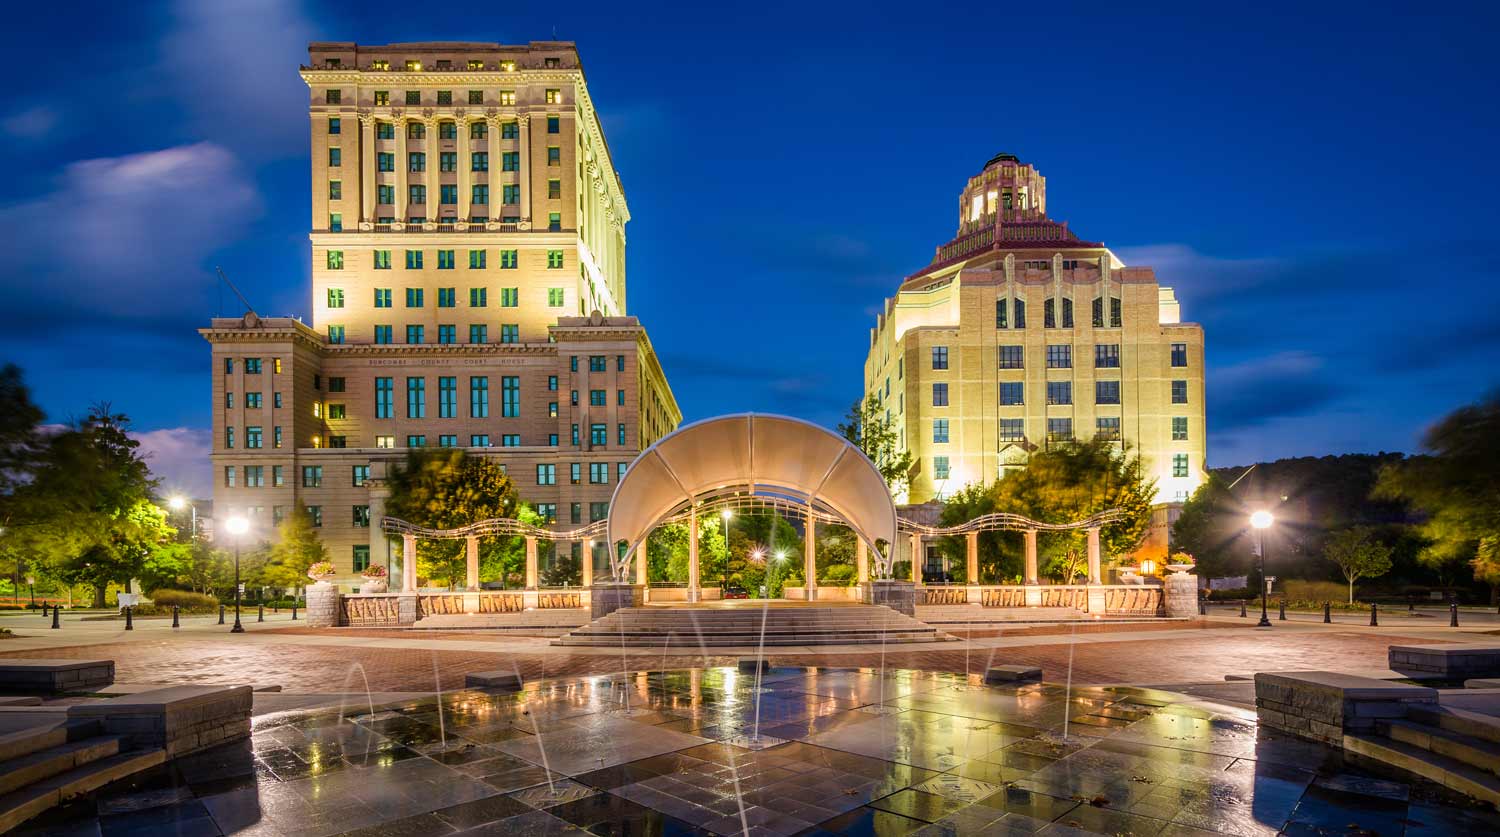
x=1452, y=747
x=44, y=766
x=743, y=626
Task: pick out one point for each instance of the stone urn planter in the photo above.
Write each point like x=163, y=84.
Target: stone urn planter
x=322, y=572
x=376, y=579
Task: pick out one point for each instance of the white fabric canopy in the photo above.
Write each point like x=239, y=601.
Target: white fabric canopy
x=752, y=452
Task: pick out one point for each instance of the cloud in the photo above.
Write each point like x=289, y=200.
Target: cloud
x=1292, y=383
x=33, y=123
x=119, y=238
x=178, y=456
x=227, y=62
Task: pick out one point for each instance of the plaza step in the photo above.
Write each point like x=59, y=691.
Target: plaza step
x=1475, y=752
x=44, y=767
x=656, y=627
x=1443, y=770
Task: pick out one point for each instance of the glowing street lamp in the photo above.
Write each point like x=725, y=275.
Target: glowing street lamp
x=237, y=526
x=177, y=503
x=1260, y=521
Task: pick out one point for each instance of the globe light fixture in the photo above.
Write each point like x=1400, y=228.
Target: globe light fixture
x=237, y=526
x=781, y=554
x=176, y=503
x=1261, y=521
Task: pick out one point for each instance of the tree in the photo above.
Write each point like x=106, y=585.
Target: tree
x=1457, y=487
x=445, y=488
x=867, y=427
x=1066, y=483
x=1358, y=555
x=19, y=443
x=504, y=558
x=297, y=547
x=1211, y=528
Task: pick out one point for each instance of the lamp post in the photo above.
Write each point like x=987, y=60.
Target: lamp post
x=177, y=503
x=31, y=585
x=237, y=527
x=1262, y=521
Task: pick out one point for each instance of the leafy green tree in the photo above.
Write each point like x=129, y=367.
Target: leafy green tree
x=445, y=488
x=1211, y=530
x=866, y=426
x=562, y=570
x=1001, y=553
x=1457, y=487
x=504, y=559
x=296, y=548
x=1358, y=555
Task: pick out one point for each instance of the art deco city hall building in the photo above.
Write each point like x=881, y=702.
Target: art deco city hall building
x=468, y=272
x=1020, y=335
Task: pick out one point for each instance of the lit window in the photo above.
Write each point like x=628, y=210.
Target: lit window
x=554, y=97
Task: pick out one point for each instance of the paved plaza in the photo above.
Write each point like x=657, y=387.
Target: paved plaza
x=802, y=751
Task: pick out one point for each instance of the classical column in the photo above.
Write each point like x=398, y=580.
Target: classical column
x=531, y=573
x=408, y=563
x=916, y=556
x=810, y=558
x=432, y=176
x=465, y=194
x=588, y=563
x=1031, y=574
x=495, y=157
x=861, y=561
x=694, y=591
x=524, y=122
x=640, y=563
x=971, y=565
x=1094, y=555
x=366, y=168
x=471, y=563
x=403, y=176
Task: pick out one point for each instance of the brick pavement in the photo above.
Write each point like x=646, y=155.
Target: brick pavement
x=332, y=668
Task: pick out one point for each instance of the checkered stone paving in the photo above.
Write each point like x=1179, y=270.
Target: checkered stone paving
x=814, y=751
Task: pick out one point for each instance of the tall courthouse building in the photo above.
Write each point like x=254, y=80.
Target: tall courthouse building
x=1021, y=335
x=468, y=272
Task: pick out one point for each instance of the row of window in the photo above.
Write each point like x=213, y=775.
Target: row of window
x=1061, y=431
x=552, y=96
x=1014, y=430
x=446, y=260
x=416, y=161
x=598, y=438
x=1106, y=356
x=448, y=297
x=448, y=128
x=1058, y=313
x=1013, y=393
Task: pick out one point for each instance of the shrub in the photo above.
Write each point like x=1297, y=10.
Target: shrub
x=839, y=575
x=186, y=600
x=1299, y=590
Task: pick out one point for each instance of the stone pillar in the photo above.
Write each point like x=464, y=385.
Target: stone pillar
x=861, y=560
x=641, y=566
x=1181, y=595
x=605, y=599
x=493, y=144
x=1031, y=573
x=588, y=563
x=366, y=168
x=971, y=562
x=408, y=563
x=322, y=605
x=378, y=494
x=471, y=563
x=810, y=558
x=916, y=557
x=694, y=589
x=432, y=176
x=524, y=122
x=403, y=208
x=531, y=568
x=465, y=205
x=1094, y=556
x=900, y=596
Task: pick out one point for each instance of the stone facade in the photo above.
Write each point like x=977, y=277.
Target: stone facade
x=900, y=596
x=468, y=263
x=605, y=599
x=1020, y=334
x=1323, y=705
x=178, y=719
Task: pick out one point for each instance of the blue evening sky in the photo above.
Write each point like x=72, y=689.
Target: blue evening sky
x=1316, y=180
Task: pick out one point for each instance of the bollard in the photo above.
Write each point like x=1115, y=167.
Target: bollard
x=175, y=622
x=44, y=610
x=294, y=610
x=1374, y=620
x=1453, y=615
x=1327, y=613
x=129, y=626
x=1411, y=608
x=55, y=625
x=1242, y=608
x=1282, y=614
x=221, y=614
x=276, y=607
x=1203, y=607
x=260, y=615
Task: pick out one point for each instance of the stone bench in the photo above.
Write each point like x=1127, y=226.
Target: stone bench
x=54, y=676
x=177, y=719
x=1011, y=674
x=507, y=680
x=1451, y=661
x=1323, y=705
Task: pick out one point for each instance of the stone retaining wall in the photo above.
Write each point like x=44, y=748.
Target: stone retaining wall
x=178, y=719
x=1324, y=705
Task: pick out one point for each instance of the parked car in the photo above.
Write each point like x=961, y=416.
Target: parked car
x=735, y=592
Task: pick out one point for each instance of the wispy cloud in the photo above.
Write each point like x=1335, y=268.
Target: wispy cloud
x=178, y=457
x=33, y=123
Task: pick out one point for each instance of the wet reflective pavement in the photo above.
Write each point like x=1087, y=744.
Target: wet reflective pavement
x=822, y=751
